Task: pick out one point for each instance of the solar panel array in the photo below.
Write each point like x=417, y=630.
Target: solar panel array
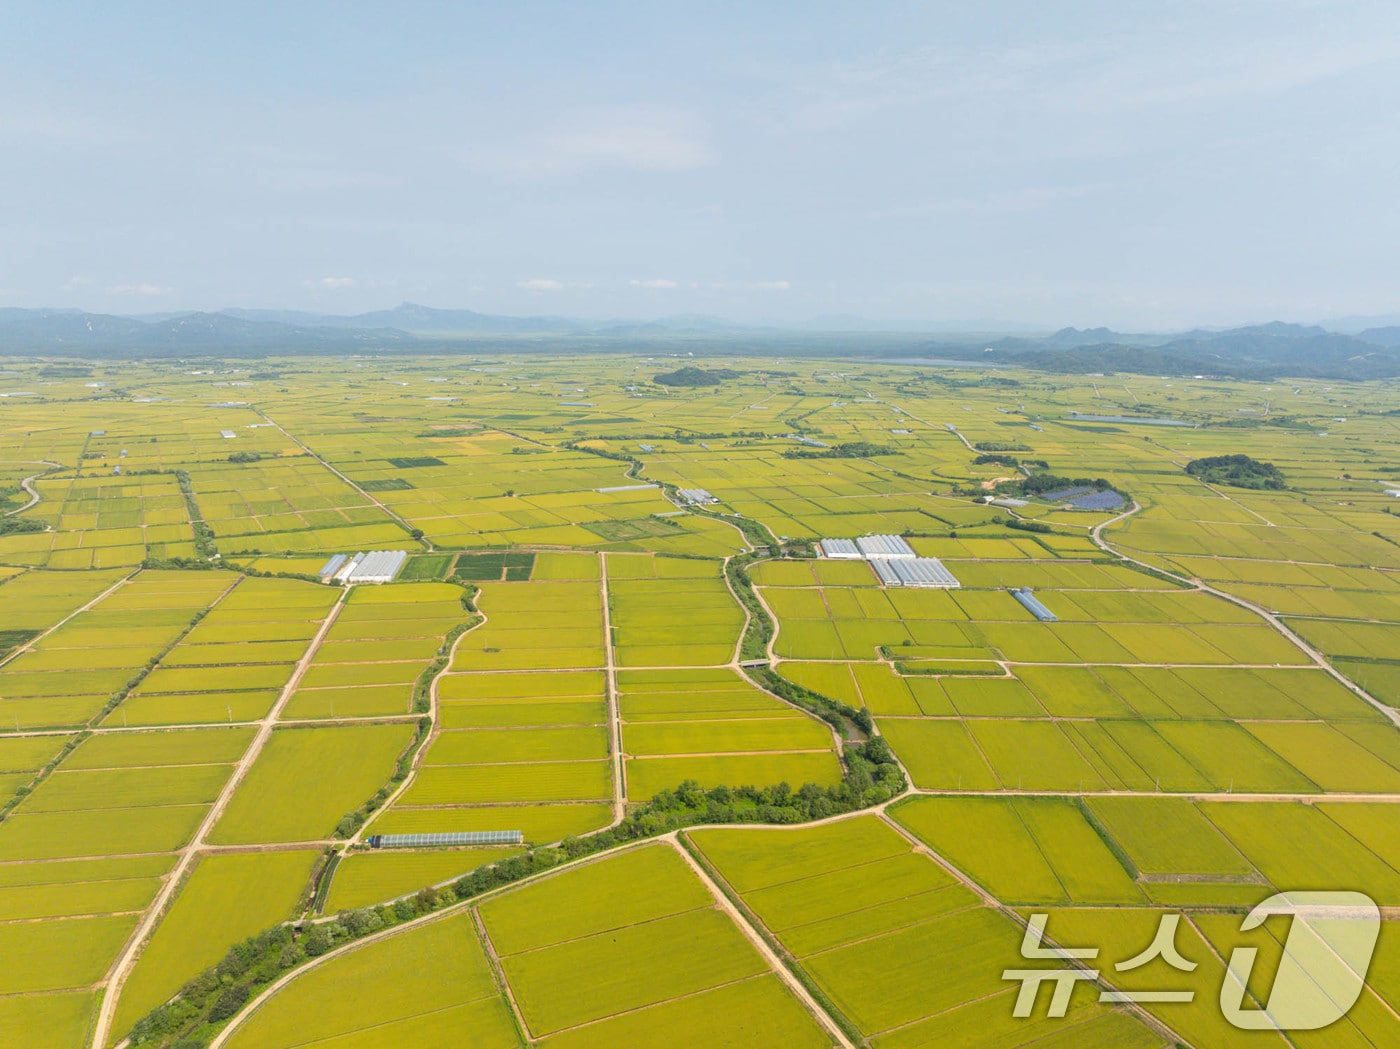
x=466, y=837
x=1105, y=500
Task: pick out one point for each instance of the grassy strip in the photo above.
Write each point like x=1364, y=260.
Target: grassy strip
x=760, y=628
x=42, y=774
x=352, y=822
x=205, y=1005
x=323, y=883
x=115, y=700
x=790, y=962
x=755, y=646
x=203, y=534
x=423, y=687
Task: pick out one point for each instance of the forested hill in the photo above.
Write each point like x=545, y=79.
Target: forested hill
x=1259, y=352
x=1263, y=351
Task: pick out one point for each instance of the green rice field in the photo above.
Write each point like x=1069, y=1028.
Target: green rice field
x=762, y=799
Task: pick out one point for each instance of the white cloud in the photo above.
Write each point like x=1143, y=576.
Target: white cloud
x=74, y=283
x=771, y=285
x=658, y=284
x=541, y=284
x=637, y=138
x=329, y=283
x=143, y=290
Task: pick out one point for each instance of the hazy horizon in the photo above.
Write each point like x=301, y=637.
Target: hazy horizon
x=1135, y=167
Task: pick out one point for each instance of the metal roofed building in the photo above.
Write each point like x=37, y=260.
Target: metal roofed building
x=378, y=566
x=331, y=567
x=343, y=573
x=1033, y=605
x=696, y=496
x=884, y=546
x=465, y=837
x=841, y=549
x=926, y=572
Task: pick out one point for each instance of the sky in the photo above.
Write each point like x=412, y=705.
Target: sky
x=1142, y=165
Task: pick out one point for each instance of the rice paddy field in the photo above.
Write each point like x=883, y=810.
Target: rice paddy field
x=200, y=737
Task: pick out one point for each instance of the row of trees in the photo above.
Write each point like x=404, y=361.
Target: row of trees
x=206, y=1003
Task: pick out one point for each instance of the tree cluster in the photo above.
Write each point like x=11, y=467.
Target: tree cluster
x=20, y=525
x=847, y=450
x=1237, y=471
x=690, y=376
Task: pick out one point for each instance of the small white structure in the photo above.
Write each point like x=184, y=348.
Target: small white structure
x=884, y=546
x=696, y=496
x=227, y=434
x=841, y=549
x=927, y=572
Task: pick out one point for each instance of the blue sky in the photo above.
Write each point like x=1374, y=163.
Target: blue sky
x=1134, y=164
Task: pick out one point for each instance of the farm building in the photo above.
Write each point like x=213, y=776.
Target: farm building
x=1033, y=604
x=347, y=567
x=884, y=546
x=227, y=435
x=377, y=566
x=466, y=837
x=914, y=572
x=841, y=549
x=696, y=496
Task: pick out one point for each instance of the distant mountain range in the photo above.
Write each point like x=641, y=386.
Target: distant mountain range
x=1257, y=351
